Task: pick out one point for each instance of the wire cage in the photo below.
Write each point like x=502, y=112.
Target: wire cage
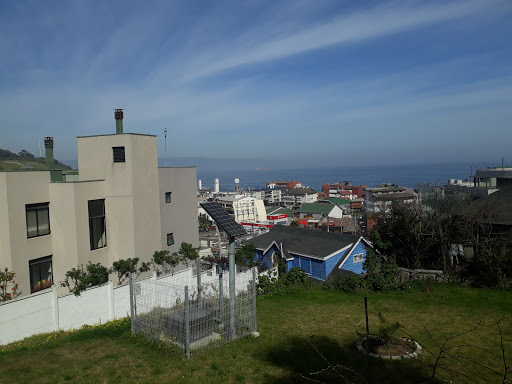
x=195, y=313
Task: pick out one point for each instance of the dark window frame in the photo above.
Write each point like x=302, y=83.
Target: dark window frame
x=168, y=197
x=119, y=154
x=92, y=221
x=36, y=262
x=172, y=237
x=35, y=208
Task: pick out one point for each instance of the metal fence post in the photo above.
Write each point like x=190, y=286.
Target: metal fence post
x=187, y=324
x=232, y=291
x=198, y=283
x=254, y=313
x=221, y=297
x=132, y=303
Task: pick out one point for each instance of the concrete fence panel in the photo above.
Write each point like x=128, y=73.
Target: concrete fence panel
x=26, y=316
x=121, y=301
x=91, y=307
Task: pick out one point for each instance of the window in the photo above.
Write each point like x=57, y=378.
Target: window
x=97, y=227
x=170, y=239
x=38, y=219
x=41, y=275
x=167, y=197
x=118, y=154
x=358, y=258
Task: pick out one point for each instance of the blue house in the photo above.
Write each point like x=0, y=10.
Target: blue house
x=321, y=254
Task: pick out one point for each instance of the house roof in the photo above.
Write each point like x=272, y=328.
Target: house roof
x=279, y=211
x=304, y=241
x=299, y=191
x=315, y=208
x=393, y=196
x=495, y=208
x=338, y=201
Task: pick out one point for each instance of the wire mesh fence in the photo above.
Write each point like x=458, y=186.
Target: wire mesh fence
x=194, y=312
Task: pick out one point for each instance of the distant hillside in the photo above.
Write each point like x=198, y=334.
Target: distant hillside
x=24, y=160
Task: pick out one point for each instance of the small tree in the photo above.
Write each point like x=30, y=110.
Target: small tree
x=79, y=279
x=165, y=262
x=295, y=223
x=122, y=267
x=8, y=287
x=204, y=223
x=188, y=252
x=245, y=255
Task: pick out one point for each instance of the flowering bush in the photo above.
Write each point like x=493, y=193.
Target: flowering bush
x=8, y=287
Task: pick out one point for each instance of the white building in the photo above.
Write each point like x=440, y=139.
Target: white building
x=270, y=196
x=380, y=199
x=244, y=208
x=294, y=197
x=119, y=206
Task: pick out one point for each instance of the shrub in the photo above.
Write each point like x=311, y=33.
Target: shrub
x=347, y=283
x=295, y=279
x=8, y=287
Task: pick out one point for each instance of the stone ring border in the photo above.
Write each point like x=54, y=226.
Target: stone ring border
x=416, y=352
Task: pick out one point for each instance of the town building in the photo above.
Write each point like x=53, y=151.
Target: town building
x=279, y=216
x=270, y=196
x=344, y=190
x=284, y=184
x=319, y=210
x=244, y=209
x=379, y=199
x=118, y=205
x=320, y=254
x=293, y=197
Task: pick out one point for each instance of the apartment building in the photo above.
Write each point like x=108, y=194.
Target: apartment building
x=283, y=184
x=118, y=205
x=270, y=196
x=344, y=190
x=380, y=199
x=293, y=197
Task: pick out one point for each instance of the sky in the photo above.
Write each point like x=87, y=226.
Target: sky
x=290, y=82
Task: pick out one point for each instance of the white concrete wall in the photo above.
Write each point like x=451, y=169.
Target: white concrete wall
x=46, y=312
x=91, y=307
x=26, y=317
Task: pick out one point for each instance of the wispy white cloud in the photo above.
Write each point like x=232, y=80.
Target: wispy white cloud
x=206, y=75
x=361, y=25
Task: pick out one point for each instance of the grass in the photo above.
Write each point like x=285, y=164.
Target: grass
x=15, y=165
x=294, y=328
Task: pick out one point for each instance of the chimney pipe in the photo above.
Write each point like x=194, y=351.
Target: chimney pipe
x=119, y=121
x=48, y=144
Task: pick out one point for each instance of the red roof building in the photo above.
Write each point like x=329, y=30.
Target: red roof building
x=344, y=190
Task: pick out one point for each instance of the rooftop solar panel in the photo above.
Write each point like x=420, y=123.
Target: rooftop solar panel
x=221, y=217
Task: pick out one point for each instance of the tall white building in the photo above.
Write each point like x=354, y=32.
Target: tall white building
x=119, y=206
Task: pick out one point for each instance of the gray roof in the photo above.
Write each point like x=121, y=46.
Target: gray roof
x=495, y=208
x=316, y=243
x=298, y=191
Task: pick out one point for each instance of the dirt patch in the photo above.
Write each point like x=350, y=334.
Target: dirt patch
x=394, y=347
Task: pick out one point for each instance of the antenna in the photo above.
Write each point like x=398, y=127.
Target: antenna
x=165, y=138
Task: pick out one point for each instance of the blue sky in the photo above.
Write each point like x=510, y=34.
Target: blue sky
x=338, y=82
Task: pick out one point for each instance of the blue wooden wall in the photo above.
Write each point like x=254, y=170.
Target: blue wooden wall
x=317, y=268
x=349, y=264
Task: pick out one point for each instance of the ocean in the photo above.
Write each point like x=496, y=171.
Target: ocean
x=372, y=176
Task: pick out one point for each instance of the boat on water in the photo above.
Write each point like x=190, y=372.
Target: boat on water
x=263, y=169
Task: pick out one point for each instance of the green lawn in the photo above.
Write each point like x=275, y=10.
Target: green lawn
x=299, y=333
